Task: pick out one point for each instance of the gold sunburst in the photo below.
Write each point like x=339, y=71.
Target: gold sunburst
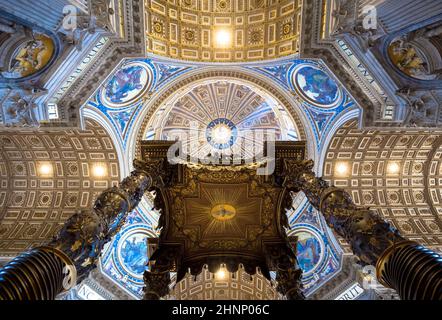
x=223, y=209
x=223, y=212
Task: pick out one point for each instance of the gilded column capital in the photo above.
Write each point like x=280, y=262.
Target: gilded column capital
x=157, y=284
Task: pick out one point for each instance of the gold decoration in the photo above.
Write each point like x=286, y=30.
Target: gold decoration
x=189, y=35
x=207, y=17
x=223, y=212
x=32, y=56
x=223, y=4
x=407, y=58
x=158, y=27
x=286, y=28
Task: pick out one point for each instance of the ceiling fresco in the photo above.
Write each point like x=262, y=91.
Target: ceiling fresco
x=318, y=252
x=316, y=86
x=322, y=103
x=221, y=108
x=131, y=81
x=209, y=73
x=122, y=96
x=124, y=259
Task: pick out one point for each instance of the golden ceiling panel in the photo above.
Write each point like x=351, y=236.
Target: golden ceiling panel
x=46, y=176
x=395, y=174
x=222, y=209
x=223, y=30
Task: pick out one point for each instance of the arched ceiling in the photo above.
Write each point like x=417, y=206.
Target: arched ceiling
x=253, y=29
x=216, y=115
x=46, y=176
x=33, y=207
x=397, y=174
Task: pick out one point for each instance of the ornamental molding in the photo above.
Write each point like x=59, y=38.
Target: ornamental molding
x=116, y=49
x=314, y=46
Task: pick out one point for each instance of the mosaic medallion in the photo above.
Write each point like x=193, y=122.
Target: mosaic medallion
x=30, y=57
x=315, y=86
x=132, y=253
x=410, y=59
x=125, y=258
x=127, y=85
x=309, y=251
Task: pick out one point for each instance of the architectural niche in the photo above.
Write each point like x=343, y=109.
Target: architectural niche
x=255, y=29
x=33, y=204
x=397, y=174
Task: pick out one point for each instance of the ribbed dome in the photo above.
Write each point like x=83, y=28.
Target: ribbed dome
x=224, y=117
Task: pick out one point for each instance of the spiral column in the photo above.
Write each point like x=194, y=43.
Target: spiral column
x=43, y=273
x=34, y=275
x=414, y=271
x=422, y=277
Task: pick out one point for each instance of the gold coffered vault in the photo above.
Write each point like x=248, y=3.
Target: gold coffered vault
x=223, y=30
x=249, y=231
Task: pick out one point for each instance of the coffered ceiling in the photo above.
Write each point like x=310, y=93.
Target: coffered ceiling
x=216, y=107
x=397, y=174
x=45, y=177
x=222, y=30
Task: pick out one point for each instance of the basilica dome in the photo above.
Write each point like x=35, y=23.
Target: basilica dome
x=224, y=116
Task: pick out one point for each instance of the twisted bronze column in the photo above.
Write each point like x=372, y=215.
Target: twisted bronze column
x=157, y=279
x=156, y=284
x=282, y=258
x=39, y=274
x=412, y=270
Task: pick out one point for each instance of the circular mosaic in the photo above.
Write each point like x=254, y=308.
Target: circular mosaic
x=30, y=57
x=309, y=251
x=410, y=60
x=127, y=85
x=315, y=86
x=221, y=133
x=132, y=253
